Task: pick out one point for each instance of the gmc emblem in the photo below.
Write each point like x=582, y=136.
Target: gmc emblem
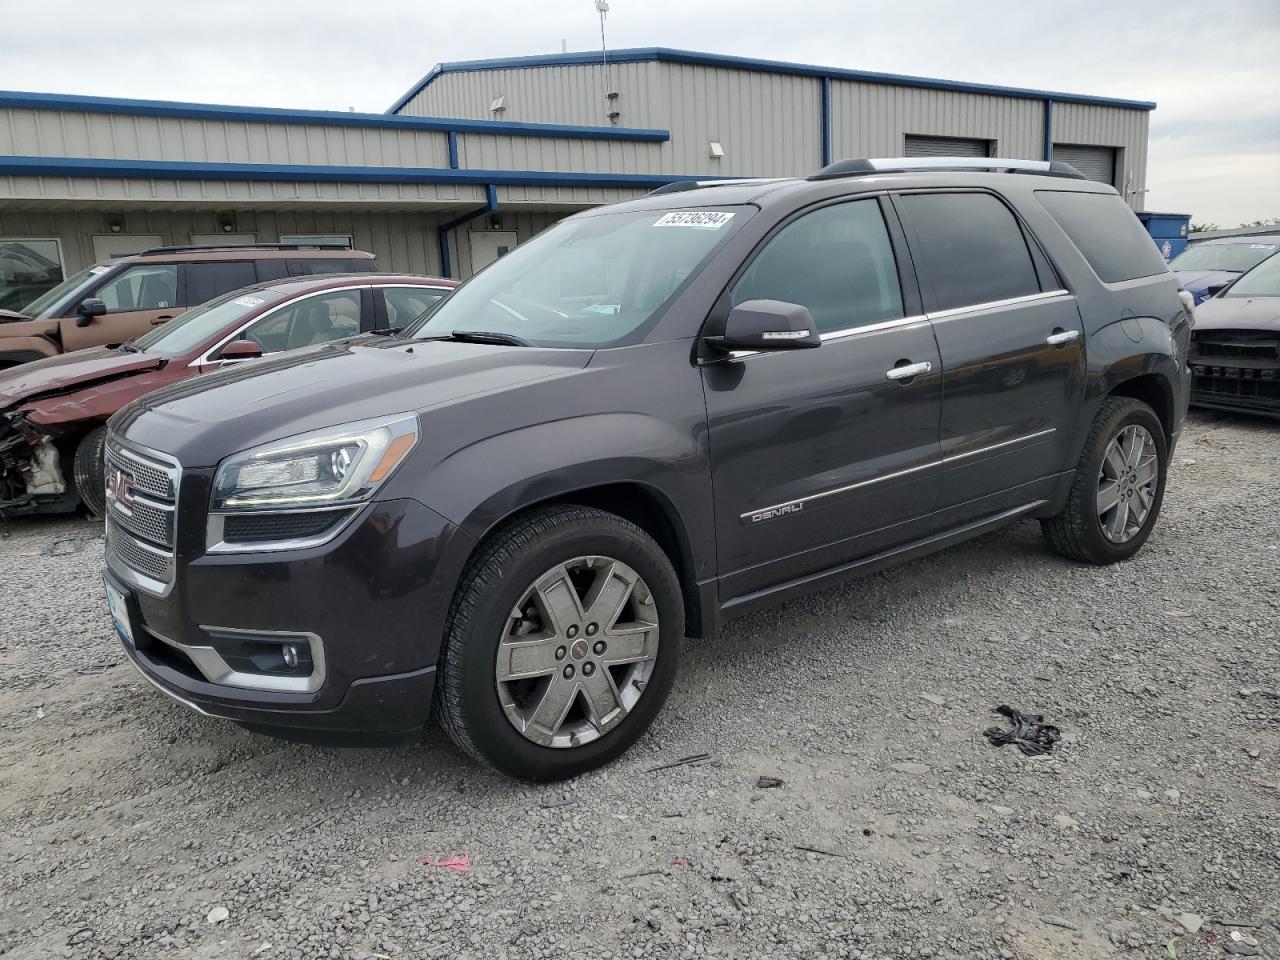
x=120, y=486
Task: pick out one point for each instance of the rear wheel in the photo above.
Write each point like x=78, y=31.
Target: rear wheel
x=90, y=473
x=1119, y=486
x=561, y=644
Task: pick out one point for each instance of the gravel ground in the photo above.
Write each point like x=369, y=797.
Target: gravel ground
x=132, y=828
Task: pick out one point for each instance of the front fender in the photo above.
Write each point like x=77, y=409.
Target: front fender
x=482, y=484
x=25, y=349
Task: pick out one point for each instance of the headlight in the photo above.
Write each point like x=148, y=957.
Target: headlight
x=336, y=465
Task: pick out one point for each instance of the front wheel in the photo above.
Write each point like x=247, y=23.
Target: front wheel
x=561, y=643
x=90, y=472
x=1118, y=488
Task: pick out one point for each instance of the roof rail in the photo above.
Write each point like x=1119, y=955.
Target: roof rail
x=202, y=247
x=862, y=168
x=680, y=186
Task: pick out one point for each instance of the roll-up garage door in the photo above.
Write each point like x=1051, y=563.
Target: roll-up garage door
x=1096, y=163
x=947, y=147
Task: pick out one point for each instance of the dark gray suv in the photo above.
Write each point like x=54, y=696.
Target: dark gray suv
x=653, y=417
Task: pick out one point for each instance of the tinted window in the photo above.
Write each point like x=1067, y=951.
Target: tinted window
x=150, y=287
x=406, y=304
x=208, y=280
x=1107, y=232
x=318, y=319
x=309, y=266
x=272, y=269
x=836, y=261
x=973, y=247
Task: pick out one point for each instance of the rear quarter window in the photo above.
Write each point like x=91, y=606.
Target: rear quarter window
x=1107, y=232
x=308, y=266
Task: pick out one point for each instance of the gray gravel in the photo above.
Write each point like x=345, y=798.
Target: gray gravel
x=131, y=828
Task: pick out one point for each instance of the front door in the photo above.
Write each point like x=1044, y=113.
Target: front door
x=820, y=456
x=1012, y=348
x=138, y=298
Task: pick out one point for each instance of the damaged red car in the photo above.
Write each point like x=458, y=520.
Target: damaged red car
x=53, y=412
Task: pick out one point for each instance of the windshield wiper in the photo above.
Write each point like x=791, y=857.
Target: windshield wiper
x=484, y=336
x=128, y=347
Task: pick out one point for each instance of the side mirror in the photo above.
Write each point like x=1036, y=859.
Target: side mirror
x=1213, y=289
x=89, y=308
x=768, y=325
x=240, y=350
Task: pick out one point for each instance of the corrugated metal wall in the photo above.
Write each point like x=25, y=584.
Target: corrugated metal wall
x=1126, y=130
x=48, y=133
x=566, y=155
x=574, y=94
x=873, y=120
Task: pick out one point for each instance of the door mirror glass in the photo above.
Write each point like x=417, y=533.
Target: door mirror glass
x=768, y=325
x=240, y=350
x=89, y=308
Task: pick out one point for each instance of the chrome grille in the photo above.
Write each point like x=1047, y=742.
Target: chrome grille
x=141, y=495
x=138, y=556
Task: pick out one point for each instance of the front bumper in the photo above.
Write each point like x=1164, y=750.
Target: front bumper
x=373, y=601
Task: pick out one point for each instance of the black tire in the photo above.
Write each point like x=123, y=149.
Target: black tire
x=90, y=471
x=1076, y=532
x=507, y=563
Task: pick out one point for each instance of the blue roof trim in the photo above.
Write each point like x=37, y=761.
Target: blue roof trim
x=213, y=111
x=668, y=55
x=190, y=170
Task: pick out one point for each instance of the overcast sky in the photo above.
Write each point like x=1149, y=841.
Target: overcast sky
x=1213, y=67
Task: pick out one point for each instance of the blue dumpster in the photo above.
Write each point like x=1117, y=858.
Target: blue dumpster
x=1168, y=230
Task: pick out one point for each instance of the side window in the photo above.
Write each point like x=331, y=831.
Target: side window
x=318, y=319
x=837, y=261
x=406, y=304
x=149, y=287
x=212, y=279
x=306, y=267
x=973, y=247
x=272, y=269
x=1107, y=232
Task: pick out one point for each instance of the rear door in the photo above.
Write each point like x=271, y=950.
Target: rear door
x=1012, y=348
x=205, y=279
x=823, y=455
x=138, y=298
x=398, y=306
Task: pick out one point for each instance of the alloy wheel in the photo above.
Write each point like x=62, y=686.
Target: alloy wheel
x=1127, y=483
x=577, y=651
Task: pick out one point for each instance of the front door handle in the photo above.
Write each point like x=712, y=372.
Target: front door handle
x=159, y=320
x=1060, y=336
x=908, y=371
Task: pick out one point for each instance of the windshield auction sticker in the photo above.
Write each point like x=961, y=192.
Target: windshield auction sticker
x=249, y=301
x=698, y=219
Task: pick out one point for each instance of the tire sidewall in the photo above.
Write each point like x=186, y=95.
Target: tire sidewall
x=1144, y=416
x=90, y=470
x=486, y=722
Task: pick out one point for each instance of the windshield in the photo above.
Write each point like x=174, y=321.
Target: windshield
x=594, y=282
x=1262, y=281
x=1232, y=257
x=62, y=292
x=189, y=330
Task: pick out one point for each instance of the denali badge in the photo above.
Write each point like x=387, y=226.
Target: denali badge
x=772, y=513
x=120, y=486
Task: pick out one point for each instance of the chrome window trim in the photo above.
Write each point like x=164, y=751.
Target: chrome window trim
x=215, y=543
x=206, y=358
x=750, y=515
x=996, y=304
x=831, y=335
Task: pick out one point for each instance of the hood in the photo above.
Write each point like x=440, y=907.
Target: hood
x=1198, y=281
x=1239, y=313
x=204, y=419
x=67, y=370
x=12, y=316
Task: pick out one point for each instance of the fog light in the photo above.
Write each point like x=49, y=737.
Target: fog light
x=291, y=656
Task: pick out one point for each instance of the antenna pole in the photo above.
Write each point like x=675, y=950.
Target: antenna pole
x=603, y=7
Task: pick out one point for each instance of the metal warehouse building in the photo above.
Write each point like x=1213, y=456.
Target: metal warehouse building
x=480, y=155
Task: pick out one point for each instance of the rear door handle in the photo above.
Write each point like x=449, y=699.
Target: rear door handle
x=1059, y=337
x=908, y=371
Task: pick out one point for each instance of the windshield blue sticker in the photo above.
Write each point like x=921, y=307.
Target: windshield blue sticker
x=698, y=219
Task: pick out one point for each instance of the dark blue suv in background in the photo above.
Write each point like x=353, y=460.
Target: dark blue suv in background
x=1207, y=266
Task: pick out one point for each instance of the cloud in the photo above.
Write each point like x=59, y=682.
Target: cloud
x=1212, y=68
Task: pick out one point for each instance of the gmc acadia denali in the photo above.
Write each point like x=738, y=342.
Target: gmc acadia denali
x=652, y=417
